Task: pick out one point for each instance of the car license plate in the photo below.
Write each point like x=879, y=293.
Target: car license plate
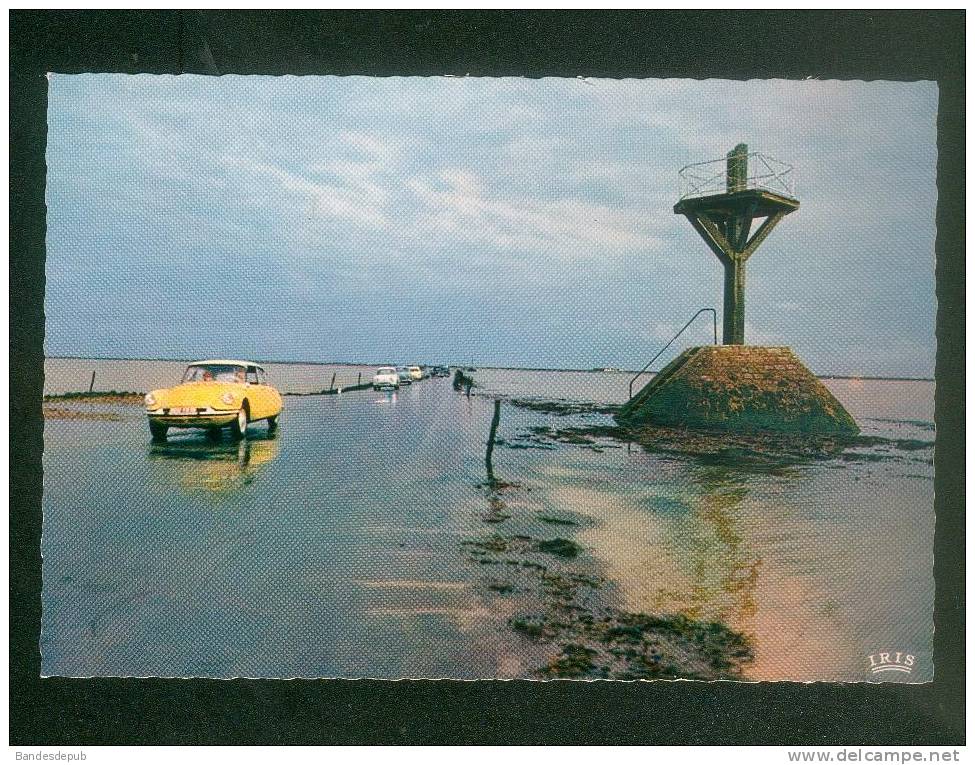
x=182, y=410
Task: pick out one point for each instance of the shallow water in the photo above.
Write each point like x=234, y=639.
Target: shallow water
x=334, y=549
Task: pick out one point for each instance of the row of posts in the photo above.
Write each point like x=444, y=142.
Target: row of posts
x=331, y=385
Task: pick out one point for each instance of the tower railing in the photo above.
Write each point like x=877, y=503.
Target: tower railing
x=766, y=173
x=714, y=318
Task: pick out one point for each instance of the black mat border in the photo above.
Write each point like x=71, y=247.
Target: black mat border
x=906, y=45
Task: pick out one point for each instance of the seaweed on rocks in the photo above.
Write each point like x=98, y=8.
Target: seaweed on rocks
x=563, y=407
x=97, y=397
x=544, y=437
x=557, y=521
x=564, y=548
x=743, y=451
x=554, y=597
x=60, y=413
x=571, y=611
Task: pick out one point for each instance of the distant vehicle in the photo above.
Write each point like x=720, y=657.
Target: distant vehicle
x=385, y=377
x=415, y=372
x=213, y=395
x=405, y=378
x=439, y=372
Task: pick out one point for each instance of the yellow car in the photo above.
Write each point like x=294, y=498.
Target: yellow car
x=213, y=395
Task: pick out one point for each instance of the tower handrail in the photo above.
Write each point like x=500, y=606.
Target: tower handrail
x=710, y=177
x=714, y=316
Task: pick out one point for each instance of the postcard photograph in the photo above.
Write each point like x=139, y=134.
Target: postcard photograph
x=489, y=378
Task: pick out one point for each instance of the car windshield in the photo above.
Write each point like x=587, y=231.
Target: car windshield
x=214, y=373
x=386, y=371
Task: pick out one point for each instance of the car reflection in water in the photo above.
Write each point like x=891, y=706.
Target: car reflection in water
x=198, y=463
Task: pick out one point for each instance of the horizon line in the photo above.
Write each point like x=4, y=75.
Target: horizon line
x=830, y=376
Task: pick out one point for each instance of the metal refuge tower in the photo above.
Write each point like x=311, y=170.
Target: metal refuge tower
x=721, y=200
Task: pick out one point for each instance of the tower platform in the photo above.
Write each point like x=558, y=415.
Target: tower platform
x=757, y=203
x=739, y=388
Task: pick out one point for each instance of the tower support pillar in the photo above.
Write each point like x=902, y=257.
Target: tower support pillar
x=734, y=301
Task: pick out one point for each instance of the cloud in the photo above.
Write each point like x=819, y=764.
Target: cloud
x=355, y=201
x=458, y=206
x=364, y=143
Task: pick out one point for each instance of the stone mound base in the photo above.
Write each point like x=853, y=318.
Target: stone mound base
x=744, y=388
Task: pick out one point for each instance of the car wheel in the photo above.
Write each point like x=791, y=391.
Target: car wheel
x=158, y=430
x=272, y=424
x=239, y=426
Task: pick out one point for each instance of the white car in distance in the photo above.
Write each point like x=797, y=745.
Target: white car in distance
x=385, y=378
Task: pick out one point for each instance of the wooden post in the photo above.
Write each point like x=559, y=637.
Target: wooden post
x=91, y=385
x=359, y=381
x=736, y=175
x=332, y=384
x=490, y=444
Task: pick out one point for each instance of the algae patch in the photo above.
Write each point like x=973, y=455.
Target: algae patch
x=78, y=405
x=563, y=407
x=105, y=397
x=590, y=638
x=557, y=602
x=589, y=437
x=60, y=413
x=551, y=593
x=557, y=521
x=564, y=548
x=742, y=451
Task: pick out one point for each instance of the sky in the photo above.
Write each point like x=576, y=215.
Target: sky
x=499, y=221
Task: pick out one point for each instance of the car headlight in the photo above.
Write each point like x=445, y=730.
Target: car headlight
x=227, y=398
x=150, y=401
